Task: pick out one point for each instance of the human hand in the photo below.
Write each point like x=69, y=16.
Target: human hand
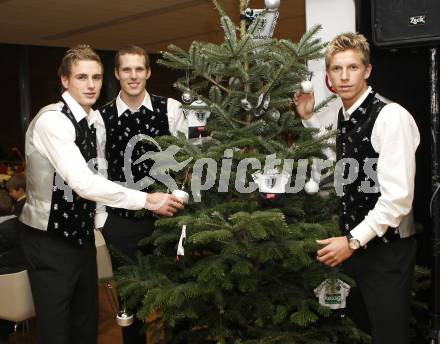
x=304, y=104
x=163, y=204
x=335, y=251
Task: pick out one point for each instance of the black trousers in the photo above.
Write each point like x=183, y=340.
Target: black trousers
x=64, y=284
x=123, y=235
x=381, y=302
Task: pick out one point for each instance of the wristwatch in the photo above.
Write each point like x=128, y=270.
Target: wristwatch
x=353, y=243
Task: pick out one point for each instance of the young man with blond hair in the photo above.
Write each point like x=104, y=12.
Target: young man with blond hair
x=134, y=111
x=377, y=246
x=63, y=143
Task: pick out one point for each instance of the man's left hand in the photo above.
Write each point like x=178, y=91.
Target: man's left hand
x=335, y=251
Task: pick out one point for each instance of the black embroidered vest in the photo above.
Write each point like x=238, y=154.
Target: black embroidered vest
x=353, y=141
x=72, y=217
x=120, y=130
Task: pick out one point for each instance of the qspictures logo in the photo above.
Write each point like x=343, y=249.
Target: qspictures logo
x=209, y=174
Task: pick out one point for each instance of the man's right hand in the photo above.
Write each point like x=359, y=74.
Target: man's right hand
x=163, y=204
x=304, y=104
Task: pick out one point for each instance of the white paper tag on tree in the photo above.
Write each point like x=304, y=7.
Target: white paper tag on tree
x=181, y=244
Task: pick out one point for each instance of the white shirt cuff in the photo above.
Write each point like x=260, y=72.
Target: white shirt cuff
x=363, y=233
x=100, y=219
x=145, y=200
x=312, y=122
x=137, y=199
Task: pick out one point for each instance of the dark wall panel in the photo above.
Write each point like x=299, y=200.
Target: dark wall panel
x=41, y=87
x=10, y=127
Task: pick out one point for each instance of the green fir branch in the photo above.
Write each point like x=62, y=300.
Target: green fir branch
x=230, y=33
x=220, y=10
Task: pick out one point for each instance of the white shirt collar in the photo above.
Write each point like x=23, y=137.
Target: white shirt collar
x=357, y=103
x=77, y=110
x=122, y=107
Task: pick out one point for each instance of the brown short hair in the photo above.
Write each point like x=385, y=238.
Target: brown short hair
x=347, y=41
x=17, y=182
x=131, y=50
x=79, y=53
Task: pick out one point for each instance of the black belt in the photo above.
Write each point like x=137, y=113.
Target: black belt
x=130, y=214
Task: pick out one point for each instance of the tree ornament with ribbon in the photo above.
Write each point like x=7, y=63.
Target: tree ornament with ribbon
x=271, y=186
x=187, y=97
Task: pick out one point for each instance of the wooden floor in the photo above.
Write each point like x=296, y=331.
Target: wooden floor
x=109, y=331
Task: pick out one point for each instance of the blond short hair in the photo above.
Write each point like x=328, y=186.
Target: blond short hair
x=81, y=52
x=347, y=41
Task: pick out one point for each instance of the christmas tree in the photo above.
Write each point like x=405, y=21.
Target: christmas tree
x=249, y=271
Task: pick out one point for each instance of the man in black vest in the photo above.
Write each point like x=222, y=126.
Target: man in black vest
x=62, y=146
x=378, y=139
x=134, y=111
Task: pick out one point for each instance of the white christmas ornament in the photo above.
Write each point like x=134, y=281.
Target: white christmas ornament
x=332, y=293
x=311, y=187
x=271, y=181
x=306, y=86
x=272, y=5
x=245, y=104
x=198, y=117
x=181, y=195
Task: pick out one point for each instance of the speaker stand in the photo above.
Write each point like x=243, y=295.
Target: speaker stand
x=434, y=335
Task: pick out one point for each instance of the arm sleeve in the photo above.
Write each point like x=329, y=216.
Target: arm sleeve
x=395, y=138
x=312, y=122
x=54, y=137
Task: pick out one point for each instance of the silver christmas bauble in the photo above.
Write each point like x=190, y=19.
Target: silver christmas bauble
x=272, y=5
x=275, y=115
x=124, y=318
x=311, y=187
x=187, y=98
x=245, y=104
x=306, y=86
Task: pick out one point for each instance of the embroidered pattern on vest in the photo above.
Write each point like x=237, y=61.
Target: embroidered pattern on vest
x=119, y=131
x=73, y=219
x=354, y=142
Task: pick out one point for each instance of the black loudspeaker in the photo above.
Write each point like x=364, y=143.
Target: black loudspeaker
x=401, y=23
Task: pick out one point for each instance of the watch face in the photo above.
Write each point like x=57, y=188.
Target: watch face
x=354, y=244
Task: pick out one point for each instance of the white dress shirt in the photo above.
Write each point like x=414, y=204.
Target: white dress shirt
x=176, y=119
x=395, y=138
x=54, y=138
x=176, y=123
